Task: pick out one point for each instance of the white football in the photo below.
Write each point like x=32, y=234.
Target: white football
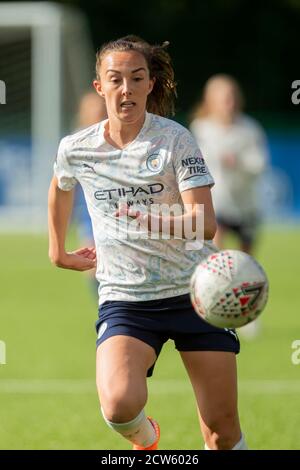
x=229, y=289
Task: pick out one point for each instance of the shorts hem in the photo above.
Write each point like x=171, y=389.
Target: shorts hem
x=100, y=341
x=189, y=349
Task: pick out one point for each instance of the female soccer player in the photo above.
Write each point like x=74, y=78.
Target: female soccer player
x=234, y=146
x=135, y=160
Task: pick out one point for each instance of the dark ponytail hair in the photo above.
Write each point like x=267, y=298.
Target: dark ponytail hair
x=161, y=100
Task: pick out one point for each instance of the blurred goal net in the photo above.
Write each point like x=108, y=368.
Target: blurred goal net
x=46, y=65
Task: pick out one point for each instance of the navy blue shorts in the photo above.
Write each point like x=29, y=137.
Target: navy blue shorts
x=156, y=321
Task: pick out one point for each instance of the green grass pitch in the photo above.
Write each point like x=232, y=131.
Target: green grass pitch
x=47, y=392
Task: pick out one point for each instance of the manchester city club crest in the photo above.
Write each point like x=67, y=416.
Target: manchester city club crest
x=154, y=162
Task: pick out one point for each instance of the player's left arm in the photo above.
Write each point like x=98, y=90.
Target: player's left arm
x=197, y=201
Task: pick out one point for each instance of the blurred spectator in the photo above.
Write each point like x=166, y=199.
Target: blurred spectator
x=234, y=146
x=90, y=111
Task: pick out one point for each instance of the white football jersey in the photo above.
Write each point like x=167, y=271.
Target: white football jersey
x=161, y=162
x=235, y=192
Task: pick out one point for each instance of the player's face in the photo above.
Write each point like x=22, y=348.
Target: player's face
x=125, y=85
x=222, y=98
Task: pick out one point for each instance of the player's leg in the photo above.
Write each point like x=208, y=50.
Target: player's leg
x=121, y=371
x=248, y=237
x=214, y=380
x=247, y=247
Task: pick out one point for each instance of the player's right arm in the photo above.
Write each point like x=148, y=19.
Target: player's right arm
x=60, y=205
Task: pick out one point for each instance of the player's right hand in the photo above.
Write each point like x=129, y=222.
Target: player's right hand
x=78, y=260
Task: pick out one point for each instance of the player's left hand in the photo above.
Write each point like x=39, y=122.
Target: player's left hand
x=82, y=259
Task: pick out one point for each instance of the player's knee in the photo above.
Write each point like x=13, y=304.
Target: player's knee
x=121, y=411
x=121, y=407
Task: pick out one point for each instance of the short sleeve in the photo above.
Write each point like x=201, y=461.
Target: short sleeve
x=189, y=164
x=63, y=170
